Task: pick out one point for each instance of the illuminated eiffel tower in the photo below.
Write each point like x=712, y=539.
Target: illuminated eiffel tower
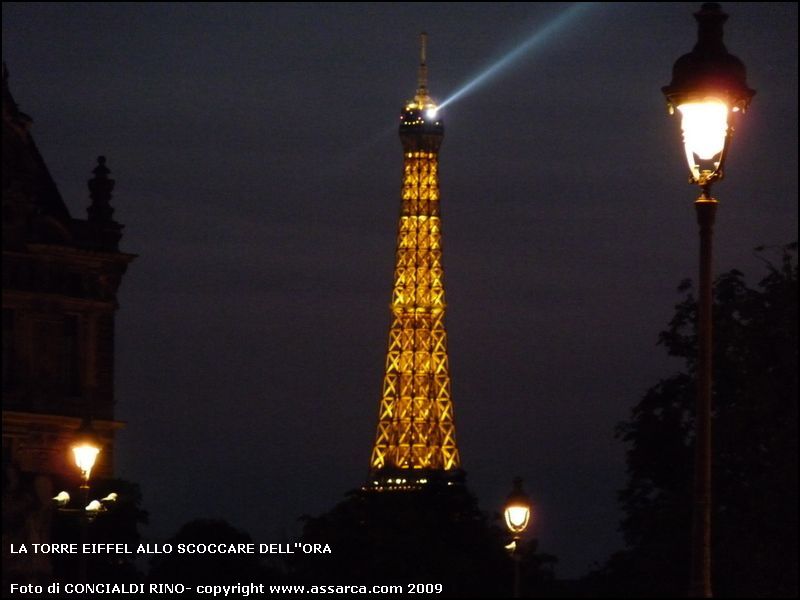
x=416, y=438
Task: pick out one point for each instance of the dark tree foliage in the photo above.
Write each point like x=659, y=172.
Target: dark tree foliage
x=210, y=568
x=433, y=535
x=754, y=437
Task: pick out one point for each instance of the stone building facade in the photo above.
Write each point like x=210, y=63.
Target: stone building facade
x=60, y=280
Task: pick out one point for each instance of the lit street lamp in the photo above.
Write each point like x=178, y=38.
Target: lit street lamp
x=517, y=514
x=85, y=449
x=708, y=88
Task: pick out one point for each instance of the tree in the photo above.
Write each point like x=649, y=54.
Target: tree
x=754, y=441
x=210, y=567
x=436, y=534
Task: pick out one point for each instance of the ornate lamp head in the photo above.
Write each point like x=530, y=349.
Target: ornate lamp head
x=708, y=86
x=518, y=510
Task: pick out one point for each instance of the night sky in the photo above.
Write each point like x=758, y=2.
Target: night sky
x=258, y=169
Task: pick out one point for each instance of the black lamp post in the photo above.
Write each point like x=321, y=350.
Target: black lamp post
x=517, y=513
x=708, y=88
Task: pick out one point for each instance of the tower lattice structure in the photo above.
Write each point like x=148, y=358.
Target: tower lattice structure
x=416, y=437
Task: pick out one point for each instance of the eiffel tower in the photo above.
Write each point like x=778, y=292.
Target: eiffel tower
x=415, y=441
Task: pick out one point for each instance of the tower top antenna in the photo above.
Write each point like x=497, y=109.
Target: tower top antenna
x=422, y=79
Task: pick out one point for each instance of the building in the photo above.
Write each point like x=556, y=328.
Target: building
x=60, y=280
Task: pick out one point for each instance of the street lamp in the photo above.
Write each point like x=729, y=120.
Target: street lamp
x=708, y=88
x=85, y=448
x=517, y=513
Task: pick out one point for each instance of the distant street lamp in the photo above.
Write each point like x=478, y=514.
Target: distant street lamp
x=708, y=88
x=517, y=514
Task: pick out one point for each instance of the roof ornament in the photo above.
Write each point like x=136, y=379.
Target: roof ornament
x=100, y=188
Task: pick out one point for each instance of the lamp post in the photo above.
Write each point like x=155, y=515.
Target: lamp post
x=517, y=514
x=708, y=88
x=85, y=448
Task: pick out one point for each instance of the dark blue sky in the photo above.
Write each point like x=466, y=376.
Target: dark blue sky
x=258, y=174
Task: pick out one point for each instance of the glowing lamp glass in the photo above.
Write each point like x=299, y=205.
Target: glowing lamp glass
x=705, y=127
x=517, y=517
x=85, y=457
x=431, y=113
